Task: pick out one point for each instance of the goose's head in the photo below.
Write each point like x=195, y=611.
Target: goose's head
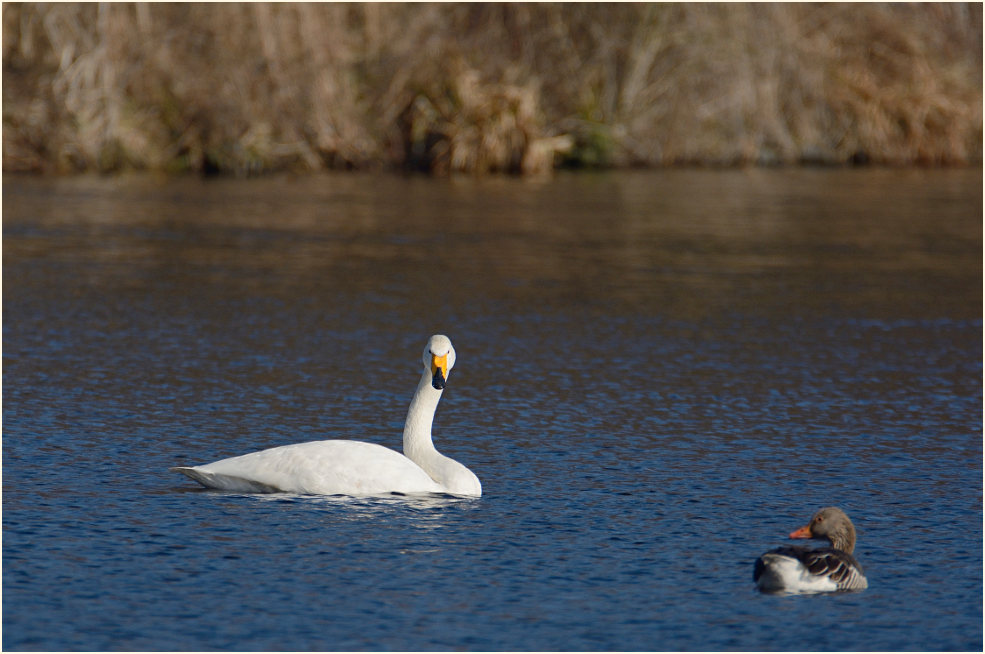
x=439, y=357
x=831, y=524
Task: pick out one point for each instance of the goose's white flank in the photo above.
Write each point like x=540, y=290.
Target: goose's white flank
x=342, y=467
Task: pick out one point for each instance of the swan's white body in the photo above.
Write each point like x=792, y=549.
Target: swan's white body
x=339, y=467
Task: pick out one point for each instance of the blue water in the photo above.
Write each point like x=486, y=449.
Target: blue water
x=659, y=376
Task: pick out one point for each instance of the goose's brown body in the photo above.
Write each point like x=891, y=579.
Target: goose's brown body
x=800, y=569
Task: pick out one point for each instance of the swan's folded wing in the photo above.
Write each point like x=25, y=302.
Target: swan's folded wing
x=224, y=482
x=333, y=467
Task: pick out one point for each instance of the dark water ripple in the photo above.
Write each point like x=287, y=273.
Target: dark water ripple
x=651, y=400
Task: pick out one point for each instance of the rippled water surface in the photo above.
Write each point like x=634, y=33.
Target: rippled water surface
x=659, y=376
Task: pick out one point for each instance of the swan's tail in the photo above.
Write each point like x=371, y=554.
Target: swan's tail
x=224, y=482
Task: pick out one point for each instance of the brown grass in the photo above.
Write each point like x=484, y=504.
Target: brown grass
x=518, y=88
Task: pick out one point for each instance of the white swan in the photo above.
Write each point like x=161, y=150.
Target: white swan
x=339, y=467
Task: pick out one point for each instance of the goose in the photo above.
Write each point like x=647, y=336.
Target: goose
x=797, y=569
x=356, y=468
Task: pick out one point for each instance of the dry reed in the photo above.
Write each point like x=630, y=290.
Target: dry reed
x=519, y=88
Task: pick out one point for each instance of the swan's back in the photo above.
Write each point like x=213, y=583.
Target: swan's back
x=333, y=467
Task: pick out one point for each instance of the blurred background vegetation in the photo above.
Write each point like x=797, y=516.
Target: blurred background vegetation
x=246, y=88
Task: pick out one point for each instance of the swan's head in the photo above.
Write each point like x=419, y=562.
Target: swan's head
x=439, y=357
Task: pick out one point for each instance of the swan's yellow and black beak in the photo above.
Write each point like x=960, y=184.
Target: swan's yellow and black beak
x=439, y=371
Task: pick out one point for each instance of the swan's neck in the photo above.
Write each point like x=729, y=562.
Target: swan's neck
x=454, y=477
x=417, y=430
